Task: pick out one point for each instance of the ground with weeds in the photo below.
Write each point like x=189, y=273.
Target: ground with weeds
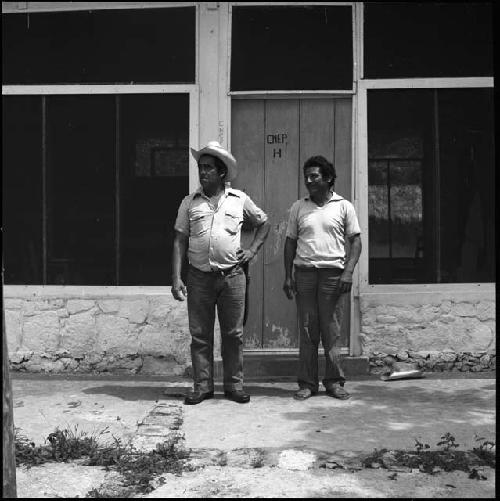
x=73, y=463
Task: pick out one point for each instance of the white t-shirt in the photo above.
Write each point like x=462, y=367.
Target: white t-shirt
x=321, y=231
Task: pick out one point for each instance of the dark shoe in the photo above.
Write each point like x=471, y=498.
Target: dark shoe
x=337, y=391
x=196, y=397
x=304, y=393
x=238, y=396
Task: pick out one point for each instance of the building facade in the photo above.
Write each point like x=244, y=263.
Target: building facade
x=102, y=100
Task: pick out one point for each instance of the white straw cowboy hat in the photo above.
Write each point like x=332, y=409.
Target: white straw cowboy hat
x=215, y=149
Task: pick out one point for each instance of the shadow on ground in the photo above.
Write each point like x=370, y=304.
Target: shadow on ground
x=398, y=415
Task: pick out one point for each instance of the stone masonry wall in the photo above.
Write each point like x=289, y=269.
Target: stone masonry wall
x=96, y=329
x=435, y=333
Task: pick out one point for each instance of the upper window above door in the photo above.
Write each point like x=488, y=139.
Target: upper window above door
x=100, y=46
x=292, y=48
x=425, y=40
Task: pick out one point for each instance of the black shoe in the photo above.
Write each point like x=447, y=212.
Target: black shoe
x=196, y=397
x=238, y=396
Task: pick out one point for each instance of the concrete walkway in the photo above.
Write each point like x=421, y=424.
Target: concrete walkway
x=379, y=414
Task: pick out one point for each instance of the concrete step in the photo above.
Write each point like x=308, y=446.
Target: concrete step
x=284, y=364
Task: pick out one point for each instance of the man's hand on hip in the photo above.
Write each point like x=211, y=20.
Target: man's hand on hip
x=345, y=283
x=244, y=255
x=179, y=290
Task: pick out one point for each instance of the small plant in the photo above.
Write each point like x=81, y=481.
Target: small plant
x=448, y=441
x=419, y=446
x=486, y=451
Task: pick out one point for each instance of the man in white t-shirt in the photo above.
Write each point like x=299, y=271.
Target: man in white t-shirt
x=318, y=271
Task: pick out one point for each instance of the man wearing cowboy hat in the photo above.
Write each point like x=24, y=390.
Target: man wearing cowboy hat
x=208, y=227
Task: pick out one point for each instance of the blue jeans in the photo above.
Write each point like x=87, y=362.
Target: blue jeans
x=317, y=296
x=206, y=291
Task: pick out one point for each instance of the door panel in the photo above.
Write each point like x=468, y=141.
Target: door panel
x=247, y=142
x=281, y=189
x=342, y=156
x=271, y=139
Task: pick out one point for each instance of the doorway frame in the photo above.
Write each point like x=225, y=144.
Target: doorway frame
x=227, y=96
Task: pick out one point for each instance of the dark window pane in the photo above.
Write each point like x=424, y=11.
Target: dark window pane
x=106, y=46
x=81, y=187
x=433, y=39
x=22, y=189
x=291, y=48
x=399, y=150
x=431, y=186
x=467, y=180
x=154, y=137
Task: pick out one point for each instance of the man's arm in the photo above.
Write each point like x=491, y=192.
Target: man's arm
x=346, y=277
x=245, y=255
x=289, y=256
x=179, y=290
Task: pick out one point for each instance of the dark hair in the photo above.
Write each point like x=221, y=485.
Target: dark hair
x=326, y=168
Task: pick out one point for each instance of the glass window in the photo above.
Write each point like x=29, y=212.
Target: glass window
x=432, y=39
x=99, y=46
x=22, y=189
x=80, y=188
x=116, y=170
x=431, y=186
x=154, y=178
x=291, y=48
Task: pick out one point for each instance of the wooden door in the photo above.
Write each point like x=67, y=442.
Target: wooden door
x=271, y=139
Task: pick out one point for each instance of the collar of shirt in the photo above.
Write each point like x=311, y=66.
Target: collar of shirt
x=227, y=191
x=335, y=197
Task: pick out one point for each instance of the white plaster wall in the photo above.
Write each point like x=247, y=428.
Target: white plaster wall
x=431, y=322
x=86, y=329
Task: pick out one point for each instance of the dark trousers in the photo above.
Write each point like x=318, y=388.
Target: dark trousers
x=207, y=291
x=317, y=296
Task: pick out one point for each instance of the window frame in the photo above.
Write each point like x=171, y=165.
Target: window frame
x=283, y=94
x=361, y=167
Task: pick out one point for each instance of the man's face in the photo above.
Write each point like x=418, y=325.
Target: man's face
x=207, y=170
x=314, y=181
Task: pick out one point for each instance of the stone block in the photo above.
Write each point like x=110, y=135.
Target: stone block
x=47, y=304
x=386, y=319
x=135, y=310
x=41, y=332
x=109, y=305
x=448, y=357
x=116, y=364
x=20, y=356
x=160, y=309
x=63, y=313
x=78, y=305
x=486, y=311
x=154, y=341
x=427, y=313
x=445, y=307
x=367, y=329
x=161, y=366
x=115, y=336
x=79, y=333
x=464, y=310
x=13, y=330
x=13, y=303
x=447, y=319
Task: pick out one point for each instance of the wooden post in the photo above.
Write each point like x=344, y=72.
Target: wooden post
x=9, y=454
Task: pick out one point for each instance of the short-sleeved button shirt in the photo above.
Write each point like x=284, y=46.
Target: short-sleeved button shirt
x=215, y=232
x=321, y=231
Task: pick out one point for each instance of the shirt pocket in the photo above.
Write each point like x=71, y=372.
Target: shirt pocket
x=232, y=222
x=198, y=224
